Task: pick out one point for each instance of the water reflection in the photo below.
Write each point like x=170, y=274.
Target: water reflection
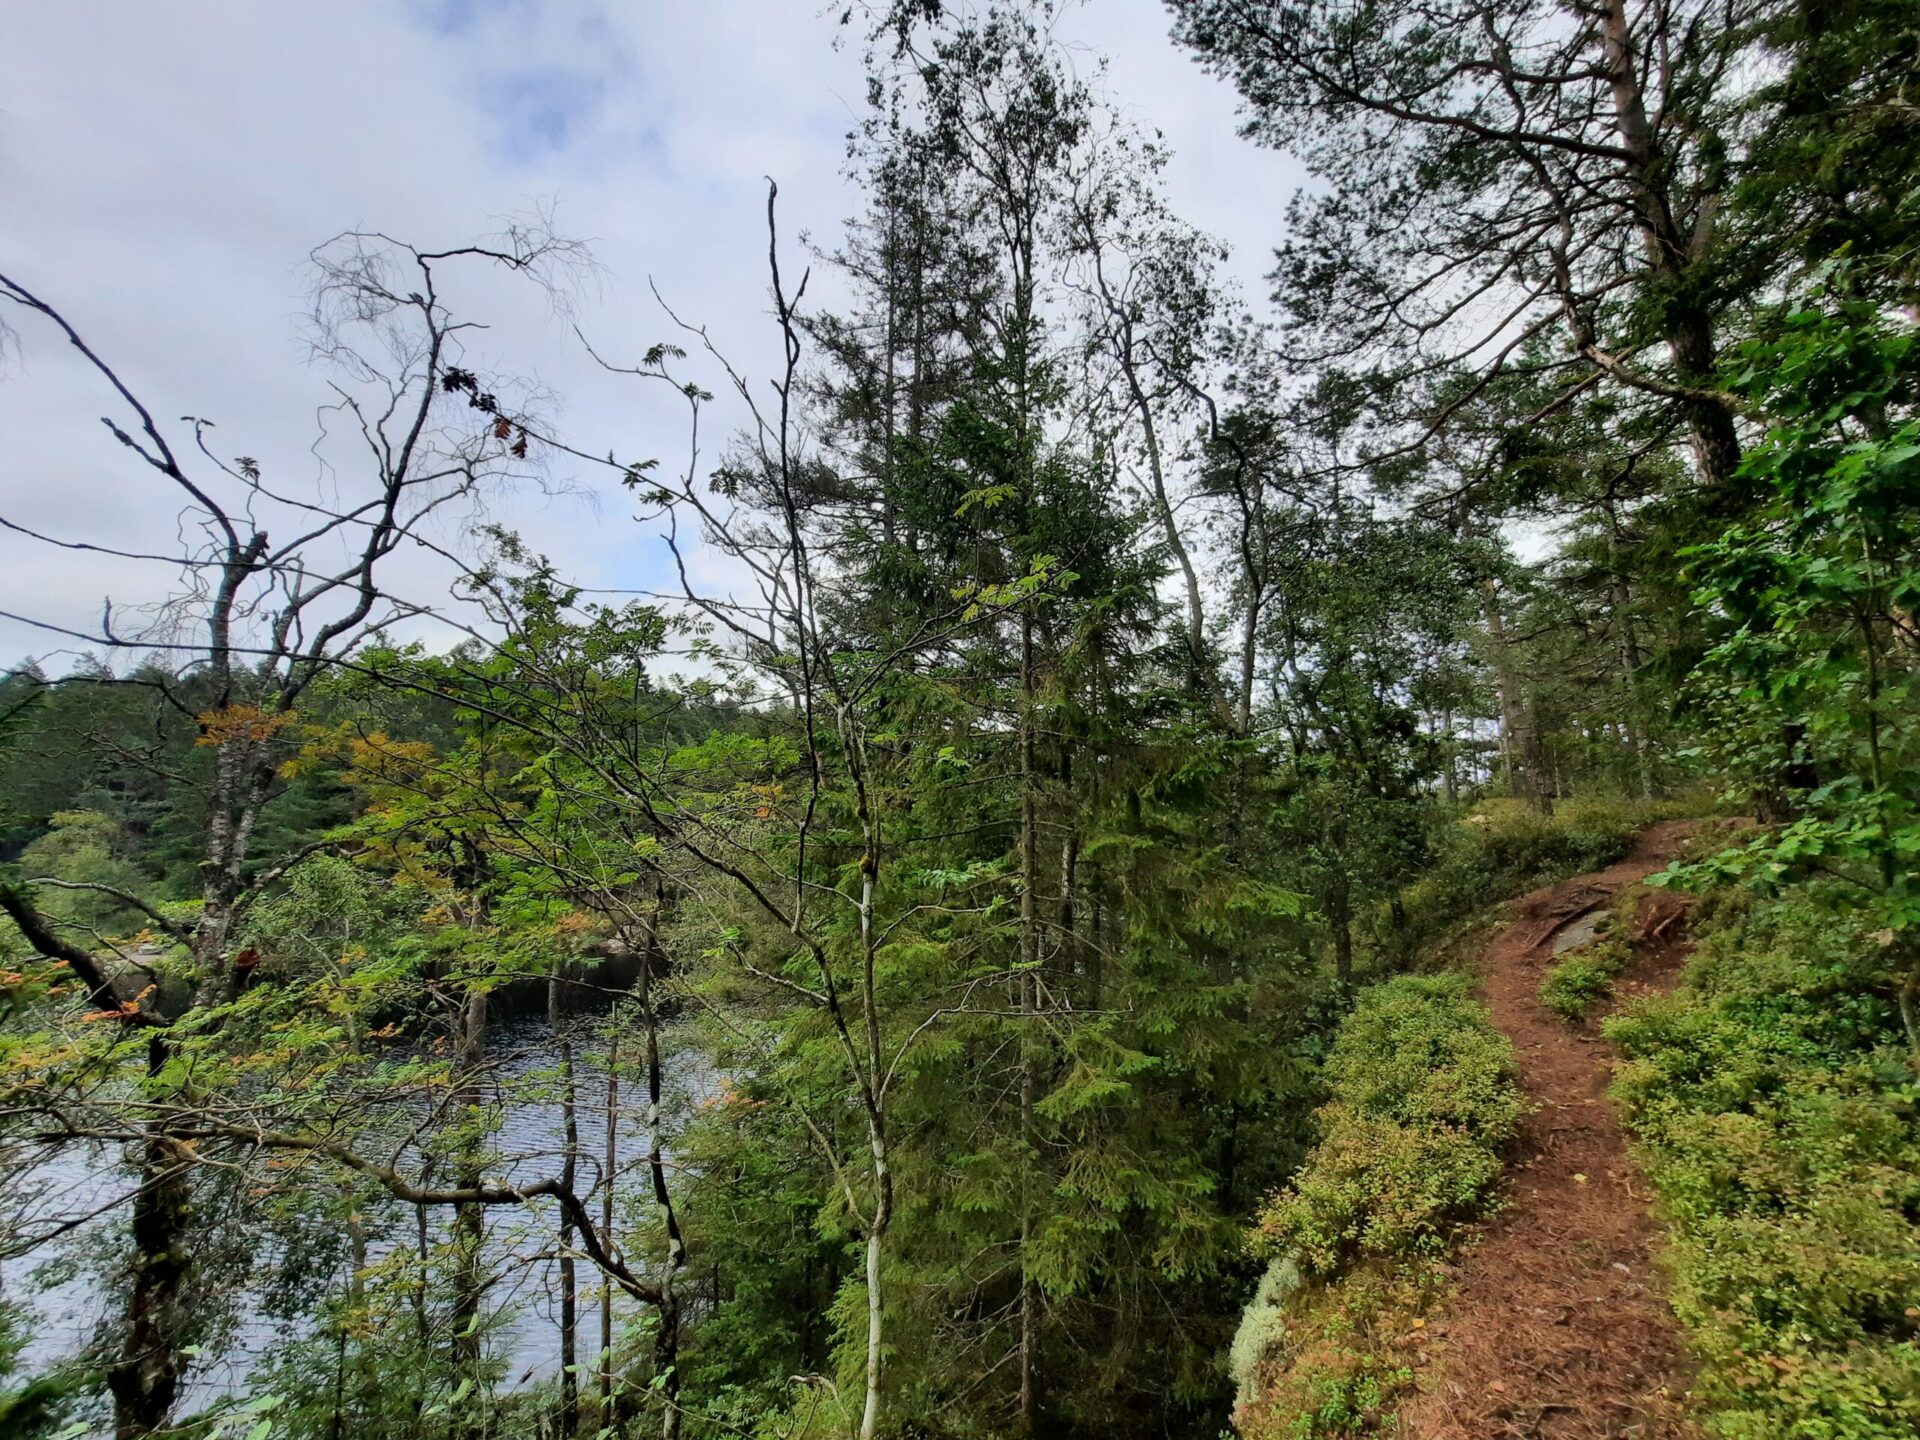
x=62, y=1285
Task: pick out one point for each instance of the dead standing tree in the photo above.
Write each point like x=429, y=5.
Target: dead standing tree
x=249, y=625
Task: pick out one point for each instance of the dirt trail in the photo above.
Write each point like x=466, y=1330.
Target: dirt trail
x=1557, y=1328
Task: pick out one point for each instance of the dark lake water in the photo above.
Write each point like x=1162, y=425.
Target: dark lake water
x=69, y=1306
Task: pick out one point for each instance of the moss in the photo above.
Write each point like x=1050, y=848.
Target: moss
x=1263, y=1328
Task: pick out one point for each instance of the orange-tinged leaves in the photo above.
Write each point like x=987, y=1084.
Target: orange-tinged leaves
x=126, y=1010
x=242, y=724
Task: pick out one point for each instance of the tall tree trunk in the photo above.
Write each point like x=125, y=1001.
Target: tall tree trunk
x=423, y=1266
x=876, y=1308
x=609, y=1166
x=1516, y=716
x=569, y=1165
x=666, y=1336
x=1125, y=348
x=1069, y=962
x=469, y=1225
x=1672, y=253
x=875, y=1095
x=1340, y=913
x=145, y=1378
x=1028, y=1006
x=356, y=1291
x=1620, y=595
x=1170, y=530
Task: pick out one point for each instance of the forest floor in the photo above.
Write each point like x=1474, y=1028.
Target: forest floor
x=1557, y=1326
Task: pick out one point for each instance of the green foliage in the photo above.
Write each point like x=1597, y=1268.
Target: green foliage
x=1014, y=904
x=1584, y=977
x=1807, y=691
x=32, y=1406
x=1335, y=1358
x=1423, y=1104
x=1376, y=612
x=88, y=847
x=1775, y=1108
x=1501, y=848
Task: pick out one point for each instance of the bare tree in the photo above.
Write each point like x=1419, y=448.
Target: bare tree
x=250, y=625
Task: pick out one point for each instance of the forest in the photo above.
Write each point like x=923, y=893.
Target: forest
x=1057, y=913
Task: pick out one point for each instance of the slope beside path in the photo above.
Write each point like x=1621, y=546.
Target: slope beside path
x=1557, y=1327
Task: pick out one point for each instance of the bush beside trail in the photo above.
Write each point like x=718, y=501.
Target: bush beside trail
x=1774, y=1100
x=1423, y=1101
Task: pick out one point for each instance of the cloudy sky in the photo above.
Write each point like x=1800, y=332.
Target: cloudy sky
x=165, y=170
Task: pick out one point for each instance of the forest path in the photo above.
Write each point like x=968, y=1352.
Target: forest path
x=1557, y=1327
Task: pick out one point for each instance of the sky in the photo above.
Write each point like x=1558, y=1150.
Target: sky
x=165, y=171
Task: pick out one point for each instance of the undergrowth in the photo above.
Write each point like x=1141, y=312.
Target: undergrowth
x=1774, y=1105
x=1332, y=1360
x=1584, y=976
x=1501, y=848
x=1423, y=1100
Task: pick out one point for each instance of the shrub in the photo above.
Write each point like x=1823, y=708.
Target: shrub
x=1775, y=1108
x=1345, y=1360
x=1423, y=1101
x=1584, y=977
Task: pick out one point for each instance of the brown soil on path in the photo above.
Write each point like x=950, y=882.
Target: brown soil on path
x=1556, y=1327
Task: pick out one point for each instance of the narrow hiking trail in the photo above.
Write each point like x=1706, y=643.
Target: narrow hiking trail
x=1557, y=1327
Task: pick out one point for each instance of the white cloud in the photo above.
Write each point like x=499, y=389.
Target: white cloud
x=167, y=168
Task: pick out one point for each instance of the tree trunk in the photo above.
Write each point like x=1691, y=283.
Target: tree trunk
x=569, y=1292
x=1028, y=1006
x=610, y=1164
x=1671, y=254
x=1516, y=717
x=876, y=1329
x=145, y=1379
x=469, y=1225
x=666, y=1336
x=1340, y=914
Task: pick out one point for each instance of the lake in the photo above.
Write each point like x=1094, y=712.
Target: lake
x=69, y=1305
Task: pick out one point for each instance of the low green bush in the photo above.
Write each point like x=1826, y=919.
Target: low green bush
x=1423, y=1101
x=1329, y=1362
x=1775, y=1106
x=1584, y=977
